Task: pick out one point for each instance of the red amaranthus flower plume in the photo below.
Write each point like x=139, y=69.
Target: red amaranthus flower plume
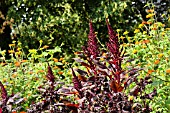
x=92, y=42
x=3, y=93
x=114, y=46
x=50, y=75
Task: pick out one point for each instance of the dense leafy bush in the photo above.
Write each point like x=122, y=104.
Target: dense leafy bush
x=64, y=22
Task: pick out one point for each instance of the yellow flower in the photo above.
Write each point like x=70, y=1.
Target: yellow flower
x=11, y=45
x=11, y=51
x=144, y=32
x=131, y=98
x=167, y=28
x=4, y=79
x=140, y=25
x=32, y=50
x=13, y=41
x=18, y=49
x=136, y=30
x=135, y=51
x=126, y=32
x=122, y=37
x=101, y=59
x=19, y=43
x=163, y=33
x=149, y=15
x=136, y=43
x=11, y=82
x=18, y=53
x=144, y=46
x=41, y=41
x=160, y=55
x=118, y=30
x=5, y=86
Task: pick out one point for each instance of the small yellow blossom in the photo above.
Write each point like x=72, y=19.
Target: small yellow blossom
x=122, y=37
x=126, y=32
x=135, y=51
x=13, y=41
x=144, y=46
x=41, y=41
x=136, y=31
x=5, y=86
x=11, y=82
x=167, y=28
x=19, y=43
x=11, y=45
x=131, y=97
x=149, y=15
x=32, y=50
x=18, y=49
x=140, y=25
x=101, y=59
x=144, y=32
x=163, y=33
x=4, y=79
x=18, y=53
x=136, y=43
x=118, y=30
x=11, y=51
x=160, y=55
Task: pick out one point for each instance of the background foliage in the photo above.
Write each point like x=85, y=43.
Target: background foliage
x=64, y=22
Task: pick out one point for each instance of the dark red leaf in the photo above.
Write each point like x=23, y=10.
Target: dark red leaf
x=115, y=86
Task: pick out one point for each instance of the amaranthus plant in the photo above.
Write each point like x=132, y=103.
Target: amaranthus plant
x=50, y=100
x=10, y=103
x=105, y=86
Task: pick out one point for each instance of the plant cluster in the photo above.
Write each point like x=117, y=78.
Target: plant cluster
x=103, y=87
